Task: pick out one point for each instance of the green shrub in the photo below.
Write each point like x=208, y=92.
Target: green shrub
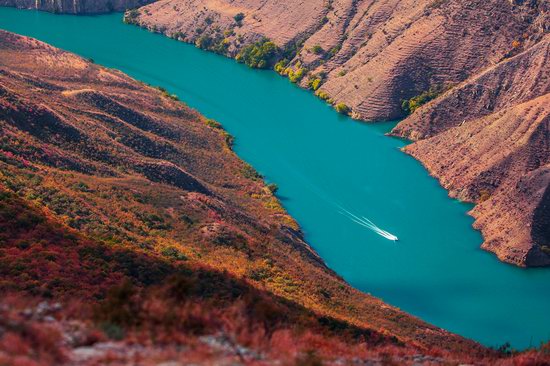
x=411, y=105
x=131, y=16
x=258, y=274
x=280, y=66
x=167, y=94
x=258, y=55
x=178, y=36
x=229, y=139
x=317, y=49
x=219, y=45
x=272, y=187
x=323, y=95
x=342, y=108
x=118, y=310
x=297, y=75
x=213, y=123
x=334, y=50
x=112, y=331
x=315, y=83
x=250, y=173
x=204, y=42
x=173, y=253
x=239, y=18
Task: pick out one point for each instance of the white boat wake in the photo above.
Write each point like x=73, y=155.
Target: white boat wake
x=363, y=221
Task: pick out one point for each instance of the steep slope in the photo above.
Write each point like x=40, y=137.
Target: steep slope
x=132, y=176
x=177, y=311
x=379, y=60
x=368, y=54
x=76, y=6
x=488, y=141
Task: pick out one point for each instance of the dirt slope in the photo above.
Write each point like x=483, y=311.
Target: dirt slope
x=368, y=57
x=488, y=141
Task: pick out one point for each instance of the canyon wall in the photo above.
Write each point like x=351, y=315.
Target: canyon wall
x=488, y=141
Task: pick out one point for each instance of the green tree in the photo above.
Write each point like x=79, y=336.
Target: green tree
x=342, y=108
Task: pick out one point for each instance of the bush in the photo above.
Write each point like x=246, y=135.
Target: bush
x=342, y=108
x=272, y=187
x=173, y=253
x=297, y=75
x=213, y=123
x=323, y=95
x=204, y=42
x=411, y=105
x=229, y=140
x=131, y=16
x=120, y=307
x=334, y=50
x=239, y=18
x=280, y=66
x=250, y=173
x=258, y=55
x=317, y=49
x=315, y=83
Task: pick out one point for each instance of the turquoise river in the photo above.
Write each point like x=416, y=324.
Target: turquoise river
x=326, y=164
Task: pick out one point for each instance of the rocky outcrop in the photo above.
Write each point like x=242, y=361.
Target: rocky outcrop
x=484, y=62
x=76, y=6
x=368, y=54
x=488, y=142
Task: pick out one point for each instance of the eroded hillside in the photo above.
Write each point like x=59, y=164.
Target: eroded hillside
x=383, y=60
x=106, y=181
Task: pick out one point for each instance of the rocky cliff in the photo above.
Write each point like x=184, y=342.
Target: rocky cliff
x=488, y=141
x=76, y=6
x=381, y=60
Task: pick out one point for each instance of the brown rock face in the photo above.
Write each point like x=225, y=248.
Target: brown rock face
x=488, y=141
x=371, y=54
x=76, y=6
x=489, y=130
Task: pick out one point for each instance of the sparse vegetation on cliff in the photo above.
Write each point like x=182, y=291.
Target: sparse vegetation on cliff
x=315, y=83
x=342, y=108
x=317, y=49
x=131, y=16
x=411, y=105
x=280, y=66
x=258, y=55
x=239, y=17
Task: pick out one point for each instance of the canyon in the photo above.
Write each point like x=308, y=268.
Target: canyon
x=370, y=57
x=140, y=187
x=104, y=178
